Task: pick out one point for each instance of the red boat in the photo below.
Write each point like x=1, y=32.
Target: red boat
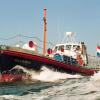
x=70, y=57
x=12, y=56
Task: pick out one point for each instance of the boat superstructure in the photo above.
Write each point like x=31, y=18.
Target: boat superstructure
x=72, y=49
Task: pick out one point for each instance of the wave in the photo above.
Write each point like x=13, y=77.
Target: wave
x=47, y=75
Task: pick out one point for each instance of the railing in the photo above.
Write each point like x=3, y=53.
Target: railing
x=21, y=39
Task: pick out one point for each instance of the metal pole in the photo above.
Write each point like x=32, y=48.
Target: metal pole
x=44, y=37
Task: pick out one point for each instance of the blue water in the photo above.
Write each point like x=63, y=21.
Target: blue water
x=63, y=87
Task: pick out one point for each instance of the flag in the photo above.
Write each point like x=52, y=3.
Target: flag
x=98, y=51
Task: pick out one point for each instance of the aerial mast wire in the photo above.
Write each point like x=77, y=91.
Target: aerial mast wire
x=44, y=37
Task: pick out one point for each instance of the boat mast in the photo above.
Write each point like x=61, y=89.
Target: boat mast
x=44, y=37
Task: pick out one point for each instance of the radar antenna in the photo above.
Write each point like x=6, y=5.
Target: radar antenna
x=69, y=37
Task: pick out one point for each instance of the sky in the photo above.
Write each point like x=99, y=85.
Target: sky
x=26, y=17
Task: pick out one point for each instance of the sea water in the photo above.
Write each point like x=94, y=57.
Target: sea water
x=52, y=85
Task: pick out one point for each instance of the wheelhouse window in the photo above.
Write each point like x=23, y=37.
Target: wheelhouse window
x=68, y=47
x=61, y=47
x=78, y=48
x=74, y=46
x=55, y=48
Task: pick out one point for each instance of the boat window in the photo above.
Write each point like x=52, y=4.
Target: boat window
x=78, y=48
x=55, y=48
x=74, y=47
x=61, y=47
x=68, y=47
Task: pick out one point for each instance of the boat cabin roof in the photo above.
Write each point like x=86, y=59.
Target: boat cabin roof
x=68, y=46
x=79, y=43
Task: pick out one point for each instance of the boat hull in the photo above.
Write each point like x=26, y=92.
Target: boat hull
x=9, y=59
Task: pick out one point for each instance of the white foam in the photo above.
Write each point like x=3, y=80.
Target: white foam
x=10, y=97
x=96, y=76
x=47, y=75
x=95, y=79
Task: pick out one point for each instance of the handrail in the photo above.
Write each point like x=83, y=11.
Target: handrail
x=20, y=39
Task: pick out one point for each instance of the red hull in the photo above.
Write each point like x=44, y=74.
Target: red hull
x=42, y=60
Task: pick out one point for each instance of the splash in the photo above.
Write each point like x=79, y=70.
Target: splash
x=96, y=76
x=9, y=97
x=50, y=75
x=95, y=79
x=47, y=75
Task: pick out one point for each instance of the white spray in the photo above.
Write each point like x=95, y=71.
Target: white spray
x=47, y=75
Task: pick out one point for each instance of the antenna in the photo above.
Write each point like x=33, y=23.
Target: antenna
x=44, y=37
x=69, y=37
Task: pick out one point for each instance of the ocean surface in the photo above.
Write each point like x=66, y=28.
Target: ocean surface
x=51, y=85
